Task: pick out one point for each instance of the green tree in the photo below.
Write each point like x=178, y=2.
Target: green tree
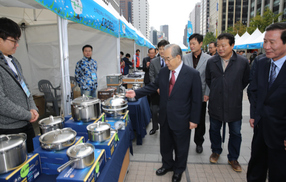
x=261, y=22
x=209, y=37
x=238, y=28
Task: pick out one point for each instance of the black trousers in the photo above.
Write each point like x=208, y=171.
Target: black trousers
x=28, y=129
x=177, y=141
x=265, y=159
x=201, y=128
x=154, y=106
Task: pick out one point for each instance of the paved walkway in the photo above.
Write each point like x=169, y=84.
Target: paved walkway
x=146, y=159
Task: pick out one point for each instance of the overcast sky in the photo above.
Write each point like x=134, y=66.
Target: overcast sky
x=174, y=13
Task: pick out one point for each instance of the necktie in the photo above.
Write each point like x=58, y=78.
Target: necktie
x=272, y=74
x=172, y=82
x=162, y=63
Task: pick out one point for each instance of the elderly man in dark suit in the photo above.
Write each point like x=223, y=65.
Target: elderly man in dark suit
x=146, y=65
x=197, y=59
x=155, y=66
x=267, y=96
x=180, y=107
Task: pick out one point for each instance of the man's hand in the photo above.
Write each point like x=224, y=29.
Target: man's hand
x=285, y=144
x=35, y=115
x=158, y=90
x=193, y=125
x=251, y=122
x=206, y=98
x=148, y=64
x=130, y=94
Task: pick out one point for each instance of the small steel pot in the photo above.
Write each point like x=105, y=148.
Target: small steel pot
x=51, y=123
x=13, y=151
x=98, y=132
x=85, y=109
x=114, y=106
x=58, y=139
x=81, y=156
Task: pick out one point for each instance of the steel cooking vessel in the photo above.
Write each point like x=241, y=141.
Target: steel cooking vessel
x=98, y=132
x=58, y=139
x=85, y=108
x=81, y=156
x=13, y=151
x=114, y=106
x=51, y=123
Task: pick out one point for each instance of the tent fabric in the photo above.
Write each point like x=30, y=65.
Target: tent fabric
x=88, y=13
x=240, y=43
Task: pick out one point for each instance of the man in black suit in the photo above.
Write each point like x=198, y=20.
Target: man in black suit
x=146, y=65
x=156, y=64
x=267, y=96
x=180, y=107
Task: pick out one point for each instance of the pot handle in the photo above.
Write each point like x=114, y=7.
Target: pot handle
x=65, y=165
x=115, y=109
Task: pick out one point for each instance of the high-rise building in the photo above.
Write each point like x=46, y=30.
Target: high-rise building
x=185, y=36
x=195, y=19
x=140, y=16
x=259, y=6
x=153, y=36
x=126, y=9
x=114, y=3
x=204, y=17
x=165, y=30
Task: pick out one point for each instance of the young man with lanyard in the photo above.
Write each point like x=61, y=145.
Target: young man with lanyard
x=17, y=107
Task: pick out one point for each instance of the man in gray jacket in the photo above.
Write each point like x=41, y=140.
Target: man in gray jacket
x=17, y=107
x=198, y=60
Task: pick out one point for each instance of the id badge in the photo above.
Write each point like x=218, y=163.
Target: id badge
x=93, y=76
x=25, y=88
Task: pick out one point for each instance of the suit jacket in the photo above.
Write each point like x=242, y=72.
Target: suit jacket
x=155, y=67
x=146, y=70
x=184, y=103
x=269, y=105
x=201, y=67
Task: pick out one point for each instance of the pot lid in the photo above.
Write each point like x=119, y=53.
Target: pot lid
x=80, y=150
x=58, y=136
x=99, y=126
x=51, y=120
x=11, y=141
x=114, y=101
x=85, y=101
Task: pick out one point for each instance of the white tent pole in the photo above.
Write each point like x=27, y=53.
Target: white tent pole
x=134, y=56
x=63, y=45
x=118, y=47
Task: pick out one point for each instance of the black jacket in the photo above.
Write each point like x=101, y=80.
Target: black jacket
x=226, y=88
x=146, y=70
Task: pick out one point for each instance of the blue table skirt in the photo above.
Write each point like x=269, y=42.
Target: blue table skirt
x=140, y=115
x=112, y=168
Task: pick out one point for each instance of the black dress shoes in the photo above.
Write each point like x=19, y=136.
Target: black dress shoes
x=152, y=132
x=176, y=177
x=162, y=171
x=199, y=149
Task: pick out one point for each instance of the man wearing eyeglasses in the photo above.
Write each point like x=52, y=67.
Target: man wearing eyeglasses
x=17, y=107
x=180, y=106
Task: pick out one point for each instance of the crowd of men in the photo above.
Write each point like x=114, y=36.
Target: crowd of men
x=184, y=85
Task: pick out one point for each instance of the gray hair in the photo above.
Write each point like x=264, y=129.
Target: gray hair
x=175, y=50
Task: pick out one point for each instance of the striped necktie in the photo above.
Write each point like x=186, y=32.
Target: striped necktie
x=272, y=74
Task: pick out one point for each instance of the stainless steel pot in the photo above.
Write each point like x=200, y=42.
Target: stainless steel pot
x=81, y=156
x=98, y=132
x=114, y=106
x=136, y=86
x=85, y=108
x=58, y=139
x=13, y=151
x=51, y=123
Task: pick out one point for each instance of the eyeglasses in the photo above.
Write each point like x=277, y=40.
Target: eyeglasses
x=14, y=41
x=169, y=59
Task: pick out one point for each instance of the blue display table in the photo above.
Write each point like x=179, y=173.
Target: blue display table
x=140, y=115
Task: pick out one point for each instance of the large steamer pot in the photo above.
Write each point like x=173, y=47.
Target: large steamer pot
x=58, y=139
x=81, y=156
x=114, y=106
x=98, y=132
x=85, y=109
x=51, y=123
x=13, y=151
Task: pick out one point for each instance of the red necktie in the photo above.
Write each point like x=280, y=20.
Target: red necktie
x=172, y=82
